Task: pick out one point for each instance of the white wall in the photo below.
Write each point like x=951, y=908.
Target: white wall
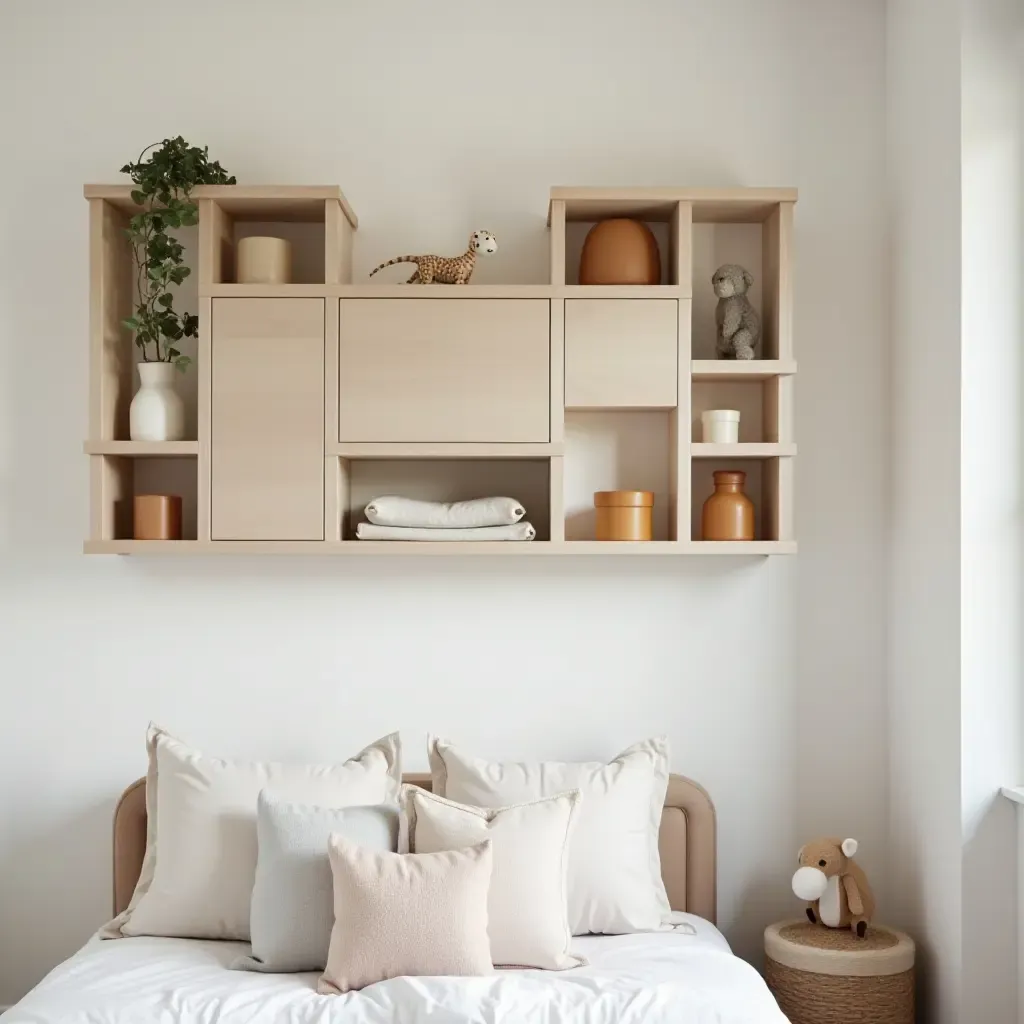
x=992, y=492
x=436, y=119
x=955, y=137
x=923, y=87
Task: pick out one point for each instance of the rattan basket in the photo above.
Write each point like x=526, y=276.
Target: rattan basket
x=829, y=976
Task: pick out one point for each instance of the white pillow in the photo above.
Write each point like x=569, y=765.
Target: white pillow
x=200, y=864
x=527, y=917
x=392, y=510
x=615, y=883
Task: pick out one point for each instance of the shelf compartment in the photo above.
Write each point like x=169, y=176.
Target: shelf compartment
x=761, y=247
x=769, y=485
x=143, y=449
x=319, y=227
x=619, y=450
x=116, y=479
x=527, y=480
x=711, y=370
x=576, y=233
x=745, y=396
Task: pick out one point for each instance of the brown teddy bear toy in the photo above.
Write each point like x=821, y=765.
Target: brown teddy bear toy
x=836, y=889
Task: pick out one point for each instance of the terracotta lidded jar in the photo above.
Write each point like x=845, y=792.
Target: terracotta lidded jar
x=728, y=514
x=620, y=251
x=624, y=515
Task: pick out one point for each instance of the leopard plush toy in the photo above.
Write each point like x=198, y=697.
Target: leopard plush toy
x=447, y=269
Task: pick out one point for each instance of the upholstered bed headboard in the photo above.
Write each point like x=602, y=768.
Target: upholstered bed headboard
x=687, y=842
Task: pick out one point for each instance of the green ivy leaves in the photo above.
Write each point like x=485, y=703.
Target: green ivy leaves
x=165, y=181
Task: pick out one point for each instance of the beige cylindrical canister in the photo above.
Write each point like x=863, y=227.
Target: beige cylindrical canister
x=263, y=259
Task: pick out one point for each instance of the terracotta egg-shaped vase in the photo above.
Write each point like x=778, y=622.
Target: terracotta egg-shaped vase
x=620, y=251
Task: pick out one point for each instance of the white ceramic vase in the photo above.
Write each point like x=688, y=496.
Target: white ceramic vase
x=157, y=411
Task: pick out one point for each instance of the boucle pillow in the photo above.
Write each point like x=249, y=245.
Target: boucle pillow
x=200, y=864
x=291, y=913
x=615, y=883
x=406, y=914
x=392, y=510
x=527, y=913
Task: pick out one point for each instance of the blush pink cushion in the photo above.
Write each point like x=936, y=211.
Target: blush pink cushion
x=419, y=914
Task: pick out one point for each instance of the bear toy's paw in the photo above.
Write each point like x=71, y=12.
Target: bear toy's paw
x=862, y=929
x=811, y=916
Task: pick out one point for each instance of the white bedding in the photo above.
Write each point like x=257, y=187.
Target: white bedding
x=675, y=977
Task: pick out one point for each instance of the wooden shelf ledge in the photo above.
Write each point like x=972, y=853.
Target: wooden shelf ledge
x=268, y=291
x=710, y=205
x=382, y=547
x=742, y=451
x=451, y=450
x=143, y=449
x=231, y=290
x=623, y=291
x=741, y=369
x=247, y=202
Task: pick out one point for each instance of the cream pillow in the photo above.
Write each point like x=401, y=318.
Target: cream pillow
x=411, y=914
x=200, y=864
x=527, y=914
x=615, y=883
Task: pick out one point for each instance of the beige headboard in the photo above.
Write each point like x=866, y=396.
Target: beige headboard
x=687, y=843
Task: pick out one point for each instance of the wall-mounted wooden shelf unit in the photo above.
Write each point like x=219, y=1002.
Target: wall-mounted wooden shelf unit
x=315, y=396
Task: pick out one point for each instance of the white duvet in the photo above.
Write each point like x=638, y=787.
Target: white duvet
x=673, y=977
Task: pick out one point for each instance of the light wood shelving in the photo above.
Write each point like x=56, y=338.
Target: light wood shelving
x=547, y=391
x=143, y=449
x=771, y=450
x=355, y=548
x=705, y=370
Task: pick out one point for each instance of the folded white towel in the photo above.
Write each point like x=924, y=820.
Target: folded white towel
x=513, y=531
x=392, y=510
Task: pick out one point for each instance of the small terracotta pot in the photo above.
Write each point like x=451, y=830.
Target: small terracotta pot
x=620, y=251
x=624, y=515
x=157, y=517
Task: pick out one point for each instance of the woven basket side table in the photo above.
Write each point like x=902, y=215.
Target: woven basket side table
x=829, y=976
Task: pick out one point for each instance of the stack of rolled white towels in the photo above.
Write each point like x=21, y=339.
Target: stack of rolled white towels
x=391, y=517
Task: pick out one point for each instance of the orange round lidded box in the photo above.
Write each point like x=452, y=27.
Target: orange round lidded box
x=624, y=515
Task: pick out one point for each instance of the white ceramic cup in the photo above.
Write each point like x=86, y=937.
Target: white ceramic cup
x=720, y=426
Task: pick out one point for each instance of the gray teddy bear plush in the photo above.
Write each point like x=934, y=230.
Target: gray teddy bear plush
x=739, y=327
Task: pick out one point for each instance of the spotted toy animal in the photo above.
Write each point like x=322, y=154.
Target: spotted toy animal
x=447, y=269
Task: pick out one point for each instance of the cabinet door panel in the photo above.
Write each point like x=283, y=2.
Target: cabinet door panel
x=444, y=370
x=267, y=430
x=621, y=353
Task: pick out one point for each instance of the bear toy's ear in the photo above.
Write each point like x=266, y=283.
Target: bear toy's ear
x=748, y=279
x=849, y=847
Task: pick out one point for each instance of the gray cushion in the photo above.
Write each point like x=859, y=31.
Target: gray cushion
x=292, y=909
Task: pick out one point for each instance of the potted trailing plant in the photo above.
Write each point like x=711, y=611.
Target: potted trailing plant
x=163, y=181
